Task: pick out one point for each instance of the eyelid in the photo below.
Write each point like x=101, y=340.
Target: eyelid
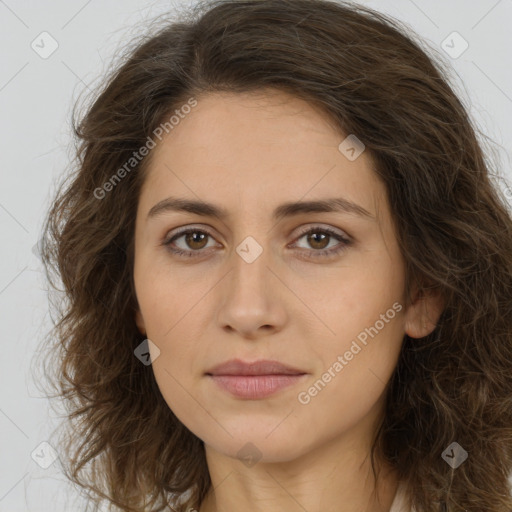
x=334, y=231
x=188, y=227
x=304, y=230
x=183, y=230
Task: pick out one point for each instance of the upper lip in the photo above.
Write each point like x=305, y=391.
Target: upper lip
x=261, y=367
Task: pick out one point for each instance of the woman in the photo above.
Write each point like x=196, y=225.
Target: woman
x=288, y=274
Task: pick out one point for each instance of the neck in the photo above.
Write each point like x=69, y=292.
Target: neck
x=328, y=479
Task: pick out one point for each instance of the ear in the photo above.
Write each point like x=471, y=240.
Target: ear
x=423, y=313
x=139, y=320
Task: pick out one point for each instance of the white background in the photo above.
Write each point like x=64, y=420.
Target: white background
x=36, y=97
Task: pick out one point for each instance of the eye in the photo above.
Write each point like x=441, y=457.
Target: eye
x=317, y=237
x=193, y=238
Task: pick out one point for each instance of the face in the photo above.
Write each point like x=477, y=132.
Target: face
x=319, y=291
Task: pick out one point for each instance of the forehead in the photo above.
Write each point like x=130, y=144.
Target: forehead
x=258, y=146
x=241, y=123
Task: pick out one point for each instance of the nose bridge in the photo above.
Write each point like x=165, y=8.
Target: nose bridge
x=249, y=297
x=250, y=261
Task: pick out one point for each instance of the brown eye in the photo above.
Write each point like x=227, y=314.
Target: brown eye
x=194, y=241
x=318, y=240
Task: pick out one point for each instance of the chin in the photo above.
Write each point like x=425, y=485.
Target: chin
x=261, y=441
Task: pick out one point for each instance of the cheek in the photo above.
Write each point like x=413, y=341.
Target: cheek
x=364, y=314
x=176, y=370
x=163, y=295
x=175, y=384
x=354, y=374
x=174, y=315
x=348, y=300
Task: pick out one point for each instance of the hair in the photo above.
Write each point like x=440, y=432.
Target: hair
x=454, y=228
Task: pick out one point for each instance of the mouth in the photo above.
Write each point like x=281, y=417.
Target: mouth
x=255, y=380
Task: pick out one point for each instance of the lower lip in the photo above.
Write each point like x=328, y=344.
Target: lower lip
x=255, y=386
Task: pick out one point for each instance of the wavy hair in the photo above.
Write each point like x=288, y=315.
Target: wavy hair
x=372, y=78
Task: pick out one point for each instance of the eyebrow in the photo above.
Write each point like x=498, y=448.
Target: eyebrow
x=336, y=204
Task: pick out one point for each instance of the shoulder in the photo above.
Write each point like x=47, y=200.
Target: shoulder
x=399, y=503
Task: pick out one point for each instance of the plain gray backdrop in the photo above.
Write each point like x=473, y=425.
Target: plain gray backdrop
x=37, y=90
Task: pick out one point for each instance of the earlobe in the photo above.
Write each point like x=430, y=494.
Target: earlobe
x=423, y=313
x=139, y=320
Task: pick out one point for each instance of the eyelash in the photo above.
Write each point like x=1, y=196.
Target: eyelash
x=345, y=242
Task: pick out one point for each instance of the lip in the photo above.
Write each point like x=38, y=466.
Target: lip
x=255, y=380
x=261, y=367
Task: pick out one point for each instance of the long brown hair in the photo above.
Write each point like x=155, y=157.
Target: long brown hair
x=373, y=79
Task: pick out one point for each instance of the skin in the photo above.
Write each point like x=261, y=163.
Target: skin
x=249, y=153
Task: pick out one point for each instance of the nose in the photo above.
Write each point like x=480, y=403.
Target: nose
x=252, y=296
